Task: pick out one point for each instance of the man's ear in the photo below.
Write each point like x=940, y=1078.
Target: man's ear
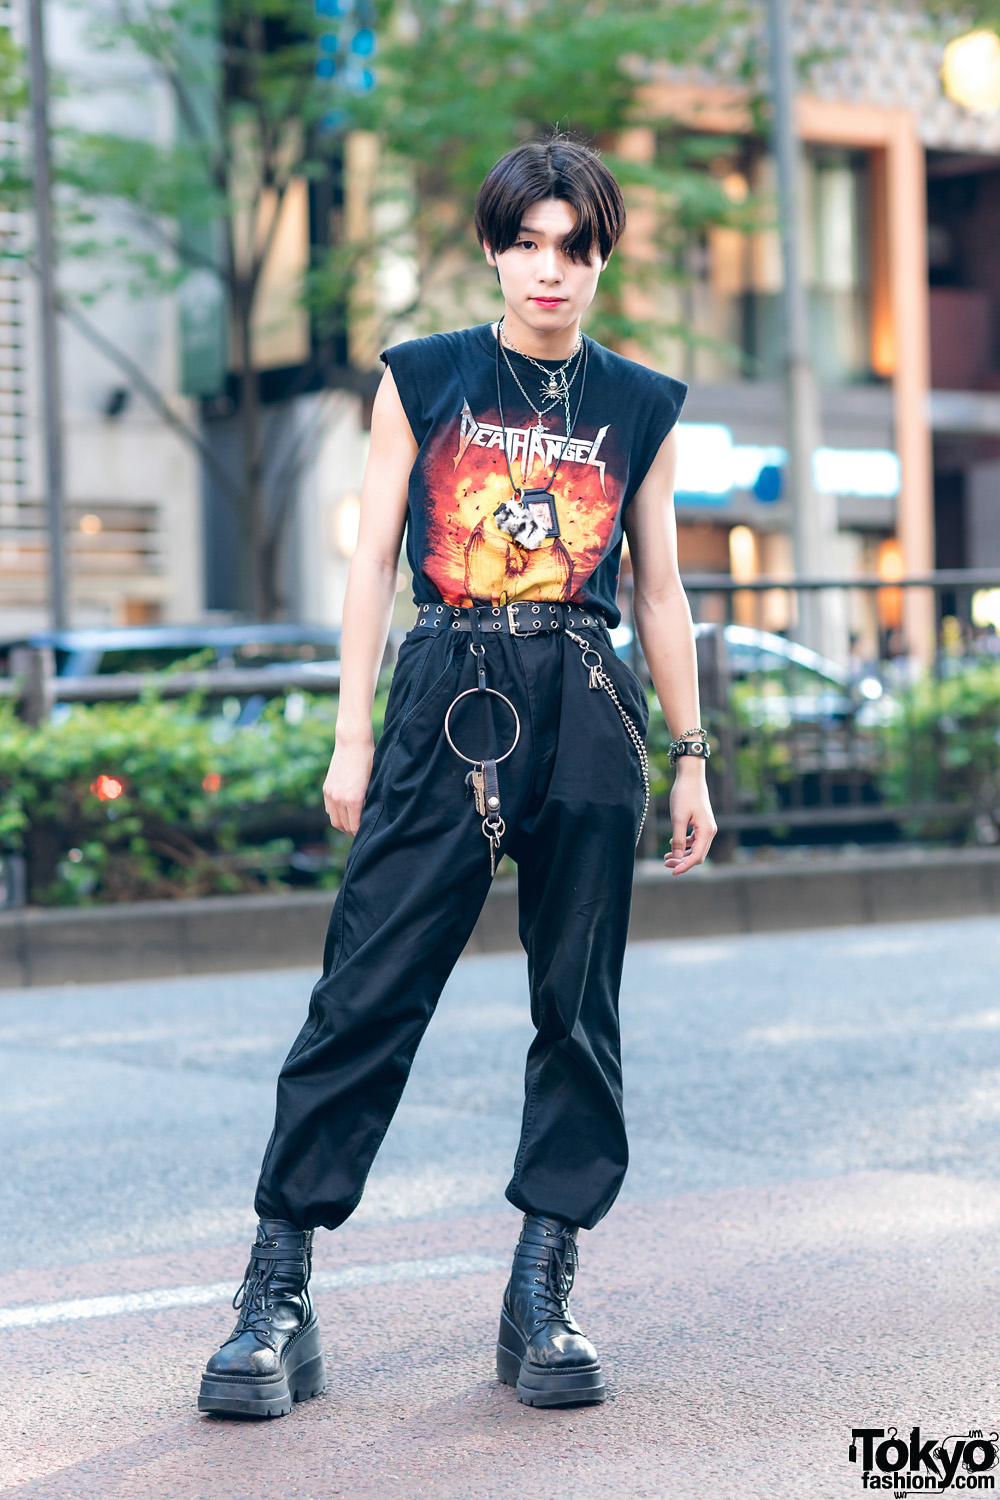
x=492, y=261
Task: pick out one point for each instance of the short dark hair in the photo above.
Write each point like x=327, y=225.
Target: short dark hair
x=554, y=168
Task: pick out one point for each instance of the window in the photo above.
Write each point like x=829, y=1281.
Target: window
x=731, y=301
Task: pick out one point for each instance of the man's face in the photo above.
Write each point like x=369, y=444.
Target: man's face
x=541, y=284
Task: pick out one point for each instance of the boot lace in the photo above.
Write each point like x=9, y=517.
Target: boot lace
x=253, y=1299
x=560, y=1271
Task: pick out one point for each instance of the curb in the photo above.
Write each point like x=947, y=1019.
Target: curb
x=225, y=934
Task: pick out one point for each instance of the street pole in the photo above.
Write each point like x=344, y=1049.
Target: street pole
x=810, y=523
x=51, y=404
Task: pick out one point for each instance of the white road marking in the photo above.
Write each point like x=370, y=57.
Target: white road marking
x=222, y=1291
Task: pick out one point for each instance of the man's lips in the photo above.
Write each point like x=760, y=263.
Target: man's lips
x=549, y=301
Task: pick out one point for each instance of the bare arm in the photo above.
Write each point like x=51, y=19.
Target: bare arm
x=371, y=588
x=663, y=624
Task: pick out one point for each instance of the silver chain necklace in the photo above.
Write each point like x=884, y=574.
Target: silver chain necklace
x=555, y=388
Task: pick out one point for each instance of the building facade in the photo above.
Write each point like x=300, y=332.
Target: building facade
x=133, y=486
x=899, y=207
x=900, y=214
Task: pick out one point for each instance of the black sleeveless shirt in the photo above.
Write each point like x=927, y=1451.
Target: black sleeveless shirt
x=457, y=552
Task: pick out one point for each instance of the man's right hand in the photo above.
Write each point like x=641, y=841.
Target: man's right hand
x=346, y=783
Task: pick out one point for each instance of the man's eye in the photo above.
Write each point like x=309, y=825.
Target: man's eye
x=525, y=244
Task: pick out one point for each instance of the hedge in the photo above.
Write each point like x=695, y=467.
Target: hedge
x=124, y=802
x=120, y=802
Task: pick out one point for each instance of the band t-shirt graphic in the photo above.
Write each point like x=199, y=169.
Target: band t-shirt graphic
x=456, y=551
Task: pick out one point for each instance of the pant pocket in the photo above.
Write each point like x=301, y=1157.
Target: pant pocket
x=418, y=742
x=413, y=662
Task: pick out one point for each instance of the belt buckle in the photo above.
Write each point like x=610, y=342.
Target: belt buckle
x=512, y=622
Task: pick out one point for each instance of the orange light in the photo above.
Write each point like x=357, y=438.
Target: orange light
x=883, y=351
x=743, y=554
x=211, y=781
x=107, y=788
x=890, y=563
x=890, y=567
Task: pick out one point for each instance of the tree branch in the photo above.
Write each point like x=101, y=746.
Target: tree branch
x=141, y=382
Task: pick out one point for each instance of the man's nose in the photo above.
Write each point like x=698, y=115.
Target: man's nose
x=550, y=268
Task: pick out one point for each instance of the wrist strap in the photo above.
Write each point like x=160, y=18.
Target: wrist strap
x=700, y=749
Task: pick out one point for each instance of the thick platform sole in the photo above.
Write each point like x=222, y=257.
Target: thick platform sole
x=579, y=1385
x=302, y=1375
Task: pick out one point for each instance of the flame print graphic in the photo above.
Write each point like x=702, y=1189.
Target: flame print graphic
x=471, y=561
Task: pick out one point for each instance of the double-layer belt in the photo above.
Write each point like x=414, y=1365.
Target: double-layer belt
x=522, y=618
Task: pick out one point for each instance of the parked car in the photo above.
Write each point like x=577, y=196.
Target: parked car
x=154, y=648
x=806, y=737
x=797, y=684
x=107, y=652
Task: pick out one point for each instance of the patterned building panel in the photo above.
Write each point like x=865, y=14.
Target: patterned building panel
x=891, y=56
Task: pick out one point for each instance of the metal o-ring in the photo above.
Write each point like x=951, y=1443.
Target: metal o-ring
x=475, y=760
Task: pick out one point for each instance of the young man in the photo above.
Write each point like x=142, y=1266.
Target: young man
x=519, y=453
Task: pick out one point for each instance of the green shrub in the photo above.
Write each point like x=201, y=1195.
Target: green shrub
x=117, y=802
x=192, y=806
x=945, y=747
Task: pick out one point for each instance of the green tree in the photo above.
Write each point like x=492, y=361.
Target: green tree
x=956, y=20
x=459, y=81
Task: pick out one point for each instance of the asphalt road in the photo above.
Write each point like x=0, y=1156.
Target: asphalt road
x=807, y=1240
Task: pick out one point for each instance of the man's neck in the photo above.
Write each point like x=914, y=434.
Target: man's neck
x=557, y=344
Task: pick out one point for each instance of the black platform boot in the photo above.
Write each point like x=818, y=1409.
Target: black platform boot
x=273, y=1356
x=540, y=1349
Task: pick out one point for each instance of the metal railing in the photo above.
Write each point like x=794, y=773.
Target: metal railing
x=34, y=686
x=799, y=733
x=796, y=770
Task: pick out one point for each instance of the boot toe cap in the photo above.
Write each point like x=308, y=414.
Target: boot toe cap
x=245, y=1355
x=561, y=1351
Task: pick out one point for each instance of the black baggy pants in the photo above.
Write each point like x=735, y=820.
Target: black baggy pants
x=417, y=876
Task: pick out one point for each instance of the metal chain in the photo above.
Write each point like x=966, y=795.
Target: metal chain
x=563, y=395
x=598, y=675
x=517, y=490
x=552, y=374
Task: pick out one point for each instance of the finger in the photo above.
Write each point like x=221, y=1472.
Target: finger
x=680, y=843
x=354, y=810
x=680, y=857
x=679, y=840
x=695, y=852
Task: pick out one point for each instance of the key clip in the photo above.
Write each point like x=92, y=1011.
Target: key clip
x=483, y=780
